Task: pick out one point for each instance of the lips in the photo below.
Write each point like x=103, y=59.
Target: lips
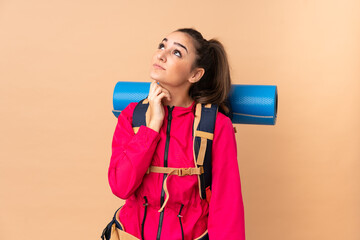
x=157, y=66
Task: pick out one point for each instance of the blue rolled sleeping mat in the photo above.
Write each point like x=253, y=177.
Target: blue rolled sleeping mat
x=250, y=104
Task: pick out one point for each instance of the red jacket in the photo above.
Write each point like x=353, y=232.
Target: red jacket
x=132, y=154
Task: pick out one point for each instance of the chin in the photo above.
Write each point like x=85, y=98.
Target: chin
x=156, y=77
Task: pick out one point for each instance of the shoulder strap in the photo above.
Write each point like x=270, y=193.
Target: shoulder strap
x=203, y=134
x=139, y=115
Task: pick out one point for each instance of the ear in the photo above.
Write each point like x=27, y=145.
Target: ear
x=196, y=75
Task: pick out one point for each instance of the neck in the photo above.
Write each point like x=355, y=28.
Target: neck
x=178, y=102
x=179, y=97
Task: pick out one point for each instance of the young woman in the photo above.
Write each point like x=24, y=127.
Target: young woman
x=186, y=70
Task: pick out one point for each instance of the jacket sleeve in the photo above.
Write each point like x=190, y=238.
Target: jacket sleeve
x=131, y=154
x=226, y=210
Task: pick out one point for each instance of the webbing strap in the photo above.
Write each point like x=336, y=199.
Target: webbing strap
x=208, y=105
x=173, y=171
x=202, y=235
x=202, y=151
x=204, y=135
x=197, y=119
x=118, y=219
x=176, y=171
x=124, y=235
x=136, y=129
x=196, y=124
x=199, y=161
x=204, y=125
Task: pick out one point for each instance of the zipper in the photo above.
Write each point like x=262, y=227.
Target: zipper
x=162, y=198
x=181, y=226
x=143, y=222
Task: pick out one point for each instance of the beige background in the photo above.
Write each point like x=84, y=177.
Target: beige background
x=59, y=63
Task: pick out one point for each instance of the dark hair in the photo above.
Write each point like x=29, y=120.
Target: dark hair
x=215, y=84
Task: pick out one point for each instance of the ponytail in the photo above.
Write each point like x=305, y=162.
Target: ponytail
x=214, y=86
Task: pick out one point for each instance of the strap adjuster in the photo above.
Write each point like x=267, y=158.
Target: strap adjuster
x=184, y=172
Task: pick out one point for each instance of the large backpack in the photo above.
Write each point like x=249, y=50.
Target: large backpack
x=203, y=134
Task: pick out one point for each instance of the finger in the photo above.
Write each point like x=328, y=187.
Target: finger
x=167, y=93
x=153, y=97
x=157, y=91
x=154, y=91
x=162, y=95
x=152, y=87
x=158, y=84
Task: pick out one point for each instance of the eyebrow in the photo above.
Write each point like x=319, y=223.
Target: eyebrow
x=176, y=43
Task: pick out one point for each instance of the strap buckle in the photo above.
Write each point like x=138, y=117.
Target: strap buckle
x=184, y=172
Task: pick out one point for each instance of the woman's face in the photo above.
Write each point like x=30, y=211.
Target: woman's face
x=172, y=63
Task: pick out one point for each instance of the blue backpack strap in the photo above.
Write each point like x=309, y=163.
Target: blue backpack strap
x=139, y=115
x=204, y=126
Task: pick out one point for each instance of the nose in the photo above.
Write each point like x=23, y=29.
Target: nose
x=161, y=55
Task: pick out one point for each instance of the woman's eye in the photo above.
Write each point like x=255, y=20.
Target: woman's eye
x=161, y=46
x=177, y=53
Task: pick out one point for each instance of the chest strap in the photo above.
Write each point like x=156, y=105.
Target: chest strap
x=176, y=171
x=173, y=171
